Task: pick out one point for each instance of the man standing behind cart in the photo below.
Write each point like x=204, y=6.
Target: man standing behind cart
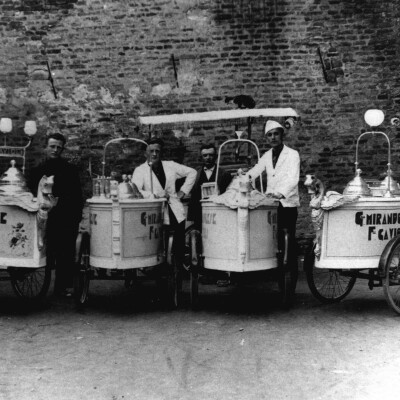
x=205, y=174
x=157, y=177
x=282, y=166
x=63, y=220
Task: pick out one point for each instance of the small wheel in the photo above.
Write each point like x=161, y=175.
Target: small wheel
x=194, y=288
x=131, y=279
x=391, y=280
x=288, y=271
x=327, y=285
x=195, y=264
x=172, y=285
x=82, y=271
x=30, y=283
x=187, y=259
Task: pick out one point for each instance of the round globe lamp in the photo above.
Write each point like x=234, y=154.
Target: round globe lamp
x=374, y=117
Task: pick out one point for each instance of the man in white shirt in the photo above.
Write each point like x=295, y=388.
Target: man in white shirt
x=157, y=178
x=282, y=166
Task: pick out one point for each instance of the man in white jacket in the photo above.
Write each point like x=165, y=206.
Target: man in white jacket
x=157, y=178
x=282, y=166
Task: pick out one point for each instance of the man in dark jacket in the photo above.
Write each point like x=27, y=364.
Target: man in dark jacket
x=206, y=173
x=64, y=218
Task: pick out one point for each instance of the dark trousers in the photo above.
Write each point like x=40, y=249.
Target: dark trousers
x=61, y=239
x=287, y=218
x=178, y=228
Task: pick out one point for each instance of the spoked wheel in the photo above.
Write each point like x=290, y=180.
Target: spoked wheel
x=82, y=272
x=30, y=283
x=327, y=285
x=287, y=272
x=187, y=260
x=172, y=277
x=195, y=264
x=391, y=281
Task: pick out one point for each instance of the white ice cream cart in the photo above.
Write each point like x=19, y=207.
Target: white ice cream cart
x=357, y=233
x=125, y=239
x=23, y=223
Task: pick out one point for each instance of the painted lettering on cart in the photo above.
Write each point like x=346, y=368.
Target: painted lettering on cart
x=272, y=218
x=3, y=219
x=93, y=219
x=209, y=218
x=374, y=219
x=153, y=221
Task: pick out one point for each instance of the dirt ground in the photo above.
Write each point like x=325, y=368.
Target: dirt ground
x=239, y=345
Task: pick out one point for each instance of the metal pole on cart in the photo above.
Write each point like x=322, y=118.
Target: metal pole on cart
x=114, y=141
x=250, y=142
x=389, y=171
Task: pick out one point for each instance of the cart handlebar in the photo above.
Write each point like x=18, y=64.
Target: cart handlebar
x=219, y=158
x=115, y=141
x=389, y=171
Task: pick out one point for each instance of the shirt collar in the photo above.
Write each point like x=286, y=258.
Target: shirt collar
x=278, y=150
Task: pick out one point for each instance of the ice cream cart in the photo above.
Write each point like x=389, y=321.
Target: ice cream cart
x=125, y=239
x=239, y=227
x=357, y=233
x=23, y=223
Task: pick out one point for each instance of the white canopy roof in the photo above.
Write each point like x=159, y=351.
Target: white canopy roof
x=221, y=115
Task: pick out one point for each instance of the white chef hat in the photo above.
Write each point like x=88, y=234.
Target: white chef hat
x=272, y=125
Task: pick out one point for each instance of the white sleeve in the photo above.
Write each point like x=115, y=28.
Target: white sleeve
x=259, y=168
x=138, y=180
x=183, y=171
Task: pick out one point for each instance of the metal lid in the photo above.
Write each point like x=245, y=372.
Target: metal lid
x=12, y=181
x=357, y=187
x=393, y=186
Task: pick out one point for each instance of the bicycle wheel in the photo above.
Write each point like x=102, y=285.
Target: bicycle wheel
x=327, y=285
x=30, y=283
x=391, y=279
x=82, y=271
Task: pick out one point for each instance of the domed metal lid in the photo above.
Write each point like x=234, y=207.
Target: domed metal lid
x=12, y=181
x=391, y=185
x=357, y=187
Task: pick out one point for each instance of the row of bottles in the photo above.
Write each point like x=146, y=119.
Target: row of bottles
x=108, y=187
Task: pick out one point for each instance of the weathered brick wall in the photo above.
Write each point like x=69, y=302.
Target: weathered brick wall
x=112, y=61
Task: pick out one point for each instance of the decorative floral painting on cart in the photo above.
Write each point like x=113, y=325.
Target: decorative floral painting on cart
x=17, y=232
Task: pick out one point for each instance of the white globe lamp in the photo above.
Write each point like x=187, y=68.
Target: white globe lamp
x=5, y=125
x=374, y=117
x=30, y=128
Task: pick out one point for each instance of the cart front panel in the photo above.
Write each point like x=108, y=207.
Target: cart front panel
x=358, y=231
x=18, y=235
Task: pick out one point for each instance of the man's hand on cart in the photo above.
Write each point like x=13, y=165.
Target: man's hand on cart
x=180, y=195
x=276, y=195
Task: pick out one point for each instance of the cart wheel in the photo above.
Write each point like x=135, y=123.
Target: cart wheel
x=195, y=264
x=327, y=285
x=173, y=277
x=187, y=260
x=82, y=272
x=287, y=278
x=131, y=280
x=30, y=283
x=391, y=281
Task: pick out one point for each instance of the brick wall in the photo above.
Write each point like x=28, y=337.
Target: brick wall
x=112, y=61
